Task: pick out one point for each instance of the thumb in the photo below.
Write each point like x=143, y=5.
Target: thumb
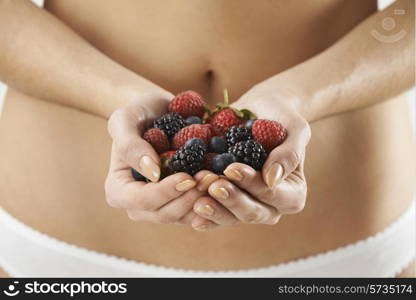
x=126, y=127
x=284, y=159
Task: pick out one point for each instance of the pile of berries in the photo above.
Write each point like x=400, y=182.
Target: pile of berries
x=191, y=137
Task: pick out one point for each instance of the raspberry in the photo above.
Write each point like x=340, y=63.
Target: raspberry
x=237, y=134
x=158, y=139
x=209, y=126
x=170, y=123
x=250, y=153
x=165, y=158
x=193, y=131
x=223, y=120
x=187, y=104
x=189, y=159
x=269, y=134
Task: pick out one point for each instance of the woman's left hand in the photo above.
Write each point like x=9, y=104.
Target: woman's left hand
x=247, y=196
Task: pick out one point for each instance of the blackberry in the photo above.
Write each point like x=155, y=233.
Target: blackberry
x=170, y=123
x=237, y=134
x=189, y=159
x=250, y=153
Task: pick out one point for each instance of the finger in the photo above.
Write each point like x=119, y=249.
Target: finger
x=212, y=210
x=204, y=179
x=125, y=127
x=201, y=224
x=244, y=207
x=187, y=218
x=290, y=194
x=176, y=209
x=252, y=182
x=123, y=192
x=285, y=158
x=246, y=178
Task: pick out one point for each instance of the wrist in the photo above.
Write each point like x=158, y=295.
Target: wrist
x=294, y=90
x=272, y=100
x=303, y=93
x=153, y=99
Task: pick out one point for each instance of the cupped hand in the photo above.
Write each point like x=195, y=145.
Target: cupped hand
x=247, y=196
x=168, y=201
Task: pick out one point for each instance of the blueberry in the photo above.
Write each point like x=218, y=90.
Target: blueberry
x=217, y=144
x=195, y=141
x=137, y=176
x=193, y=120
x=221, y=162
x=249, y=124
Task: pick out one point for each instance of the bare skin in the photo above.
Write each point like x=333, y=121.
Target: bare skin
x=357, y=166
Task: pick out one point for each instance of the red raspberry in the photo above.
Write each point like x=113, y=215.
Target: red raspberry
x=208, y=160
x=166, y=155
x=158, y=139
x=209, y=126
x=187, y=104
x=164, y=162
x=269, y=134
x=193, y=131
x=223, y=120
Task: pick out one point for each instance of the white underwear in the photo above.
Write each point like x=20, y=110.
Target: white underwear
x=25, y=252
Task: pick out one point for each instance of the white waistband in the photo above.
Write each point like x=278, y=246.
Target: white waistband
x=25, y=252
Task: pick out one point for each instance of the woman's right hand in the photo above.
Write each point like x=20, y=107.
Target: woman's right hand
x=169, y=201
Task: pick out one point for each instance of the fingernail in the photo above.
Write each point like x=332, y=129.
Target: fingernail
x=233, y=174
x=205, y=210
x=201, y=227
x=185, y=185
x=149, y=168
x=273, y=175
x=206, y=181
x=220, y=193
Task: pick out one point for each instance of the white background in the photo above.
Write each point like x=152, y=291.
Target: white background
x=381, y=3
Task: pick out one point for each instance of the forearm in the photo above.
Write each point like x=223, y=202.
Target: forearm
x=357, y=71
x=42, y=57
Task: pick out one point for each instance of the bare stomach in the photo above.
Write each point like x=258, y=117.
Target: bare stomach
x=54, y=159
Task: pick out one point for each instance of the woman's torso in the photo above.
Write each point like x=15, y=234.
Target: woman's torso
x=54, y=159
